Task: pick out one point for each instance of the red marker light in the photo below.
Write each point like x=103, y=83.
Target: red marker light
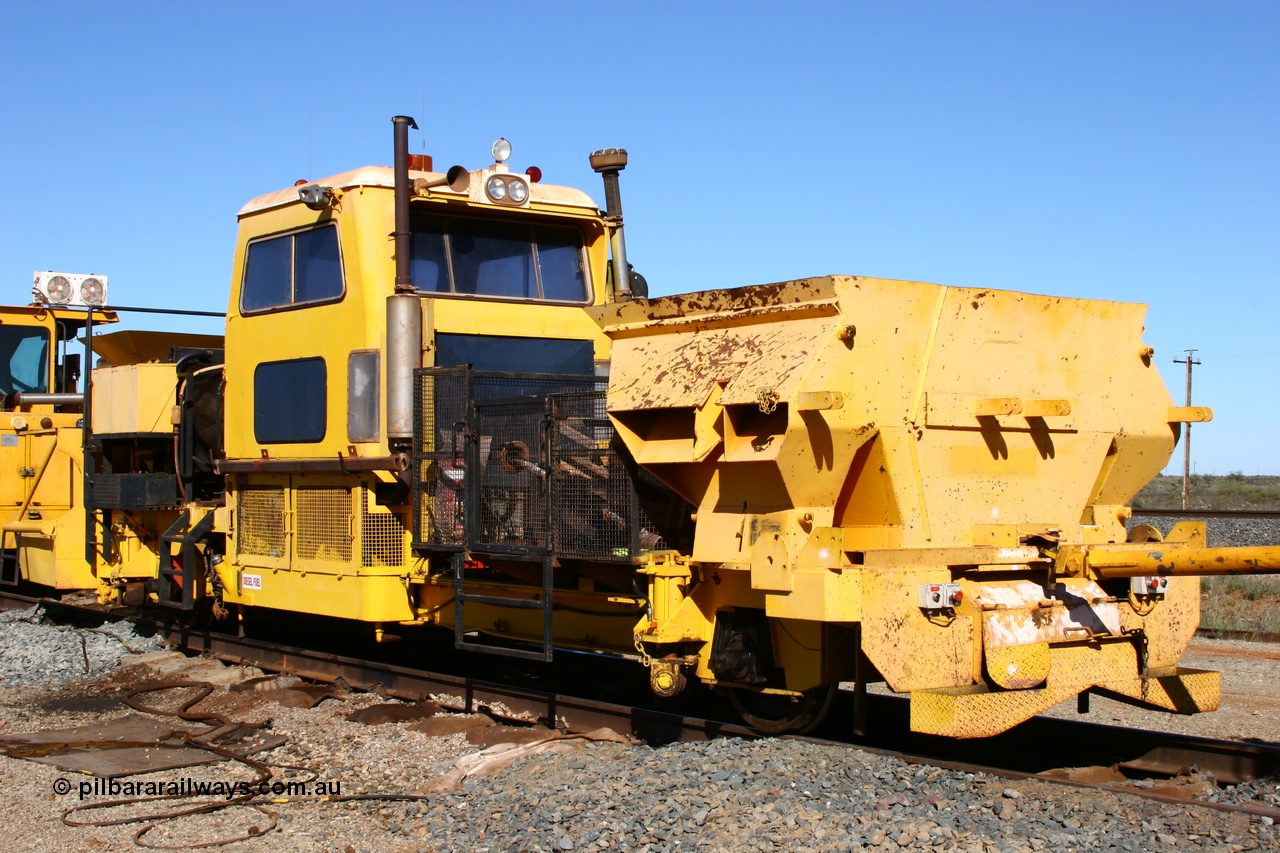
x=534, y=173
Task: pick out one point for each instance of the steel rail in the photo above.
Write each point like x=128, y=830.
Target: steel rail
x=578, y=714
x=1206, y=513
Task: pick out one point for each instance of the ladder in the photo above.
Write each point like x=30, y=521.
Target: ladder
x=176, y=587
x=462, y=598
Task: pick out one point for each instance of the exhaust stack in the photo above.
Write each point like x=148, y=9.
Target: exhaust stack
x=404, y=309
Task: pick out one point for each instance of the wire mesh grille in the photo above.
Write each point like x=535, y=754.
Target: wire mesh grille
x=260, y=521
x=522, y=462
x=382, y=536
x=512, y=483
x=324, y=523
x=441, y=413
x=593, y=503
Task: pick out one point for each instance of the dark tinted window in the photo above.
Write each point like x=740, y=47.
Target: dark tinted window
x=289, y=402
x=317, y=269
x=516, y=355
x=504, y=260
x=266, y=276
x=292, y=269
x=428, y=265
x=24, y=359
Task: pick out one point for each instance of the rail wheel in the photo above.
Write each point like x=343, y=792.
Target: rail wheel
x=775, y=714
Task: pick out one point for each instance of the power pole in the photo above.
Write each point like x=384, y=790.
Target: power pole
x=1186, y=438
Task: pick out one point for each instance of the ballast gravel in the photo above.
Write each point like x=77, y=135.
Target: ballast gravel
x=1220, y=532
x=40, y=653
x=769, y=795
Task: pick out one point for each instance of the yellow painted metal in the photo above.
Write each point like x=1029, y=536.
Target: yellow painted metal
x=911, y=650
x=1190, y=414
x=1181, y=553
x=50, y=515
x=581, y=620
x=356, y=322
x=1018, y=667
x=323, y=544
x=848, y=440
x=134, y=399
x=1112, y=667
x=41, y=471
x=377, y=598
x=919, y=377
x=133, y=346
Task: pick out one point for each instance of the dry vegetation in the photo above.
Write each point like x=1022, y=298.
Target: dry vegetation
x=1230, y=603
x=1231, y=491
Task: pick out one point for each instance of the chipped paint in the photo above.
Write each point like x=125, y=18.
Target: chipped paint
x=1023, y=612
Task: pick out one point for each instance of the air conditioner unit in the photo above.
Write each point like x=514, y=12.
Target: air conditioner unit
x=63, y=288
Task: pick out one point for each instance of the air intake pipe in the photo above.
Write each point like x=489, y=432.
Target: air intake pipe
x=609, y=162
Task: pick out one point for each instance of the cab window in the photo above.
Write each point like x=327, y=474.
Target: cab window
x=290, y=401
x=24, y=359
x=301, y=268
x=498, y=259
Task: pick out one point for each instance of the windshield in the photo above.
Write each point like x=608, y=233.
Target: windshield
x=505, y=260
x=24, y=359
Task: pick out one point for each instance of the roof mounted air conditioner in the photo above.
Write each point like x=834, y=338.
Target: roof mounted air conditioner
x=62, y=288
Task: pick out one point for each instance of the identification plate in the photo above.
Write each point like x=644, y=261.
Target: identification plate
x=8, y=441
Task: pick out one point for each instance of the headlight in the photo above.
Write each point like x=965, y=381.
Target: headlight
x=496, y=188
x=518, y=191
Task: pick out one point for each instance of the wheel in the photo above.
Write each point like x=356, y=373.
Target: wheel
x=775, y=714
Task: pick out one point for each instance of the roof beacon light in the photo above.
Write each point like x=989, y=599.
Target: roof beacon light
x=501, y=150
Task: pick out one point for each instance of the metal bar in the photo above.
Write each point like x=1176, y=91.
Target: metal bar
x=404, y=279
x=86, y=441
x=396, y=462
x=1161, y=558
x=548, y=635
x=31, y=398
x=181, y=312
x=502, y=651
x=500, y=601
x=459, y=567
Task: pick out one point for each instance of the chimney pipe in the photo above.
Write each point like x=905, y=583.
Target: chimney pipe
x=401, y=234
x=404, y=308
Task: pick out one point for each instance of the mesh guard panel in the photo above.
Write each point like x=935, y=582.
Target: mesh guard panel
x=593, y=501
x=260, y=521
x=324, y=524
x=521, y=463
x=381, y=536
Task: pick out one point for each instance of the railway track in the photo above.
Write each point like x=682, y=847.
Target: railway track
x=1208, y=513
x=1024, y=752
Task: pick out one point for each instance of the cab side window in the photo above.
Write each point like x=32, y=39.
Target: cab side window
x=301, y=268
x=290, y=401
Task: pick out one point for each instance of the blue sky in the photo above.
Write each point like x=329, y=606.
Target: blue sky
x=1095, y=149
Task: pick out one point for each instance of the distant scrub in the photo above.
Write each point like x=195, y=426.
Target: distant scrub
x=1229, y=491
